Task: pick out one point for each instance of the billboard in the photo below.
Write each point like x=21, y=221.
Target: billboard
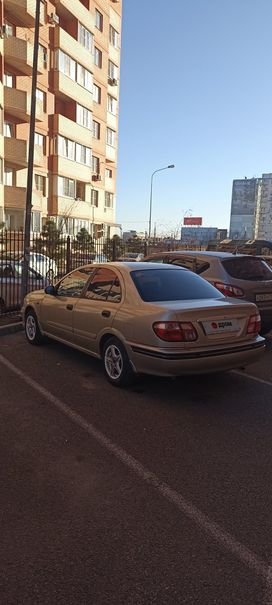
x=192, y=220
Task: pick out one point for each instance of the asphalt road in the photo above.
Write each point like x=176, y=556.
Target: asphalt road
x=158, y=494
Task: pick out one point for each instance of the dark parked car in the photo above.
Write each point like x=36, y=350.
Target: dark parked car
x=235, y=275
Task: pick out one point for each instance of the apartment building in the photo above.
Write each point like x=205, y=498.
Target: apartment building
x=77, y=99
x=251, y=208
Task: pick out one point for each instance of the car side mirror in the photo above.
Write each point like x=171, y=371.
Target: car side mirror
x=50, y=290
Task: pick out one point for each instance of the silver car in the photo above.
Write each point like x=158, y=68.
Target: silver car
x=235, y=275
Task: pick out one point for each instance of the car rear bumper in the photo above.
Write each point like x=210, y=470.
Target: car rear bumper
x=163, y=363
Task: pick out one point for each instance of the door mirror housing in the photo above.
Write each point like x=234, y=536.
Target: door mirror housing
x=50, y=290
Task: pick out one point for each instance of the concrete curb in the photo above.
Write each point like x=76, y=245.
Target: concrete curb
x=11, y=328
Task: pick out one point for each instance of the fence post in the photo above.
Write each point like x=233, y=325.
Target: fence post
x=145, y=248
x=68, y=254
x=114, y=249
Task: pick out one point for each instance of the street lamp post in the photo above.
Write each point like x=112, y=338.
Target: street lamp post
x=151, y=196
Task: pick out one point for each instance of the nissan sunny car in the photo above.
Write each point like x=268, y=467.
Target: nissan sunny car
x=145, y=318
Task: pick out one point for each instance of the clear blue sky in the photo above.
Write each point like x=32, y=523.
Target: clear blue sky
x=196, y=91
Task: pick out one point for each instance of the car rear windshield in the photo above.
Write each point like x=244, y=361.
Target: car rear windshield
x=248, y=268
x=158, y=285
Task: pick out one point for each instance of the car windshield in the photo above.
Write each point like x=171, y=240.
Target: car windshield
x=248, y=268
x=158, y=285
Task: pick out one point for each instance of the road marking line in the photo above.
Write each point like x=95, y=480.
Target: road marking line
x=251, y=377
x=211, y=528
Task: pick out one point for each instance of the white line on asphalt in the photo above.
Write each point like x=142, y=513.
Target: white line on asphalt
x=251, y=377
x=212, y=529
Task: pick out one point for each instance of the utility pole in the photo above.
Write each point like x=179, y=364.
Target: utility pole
x=31, y=155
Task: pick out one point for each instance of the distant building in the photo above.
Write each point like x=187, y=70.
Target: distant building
x=263, y=210
x=198, y=234
x=221, y=234
x=243, y=205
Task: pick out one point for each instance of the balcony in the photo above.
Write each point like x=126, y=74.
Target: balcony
x=19, y=54
x=68, y=89
x=71, y=130
x=18, y=104
x=23, y=11
x=110, y=153
x=73, y=48
x=66, y=206
x=15, y=197
x=70, y=10
x=111, y=120
x=16, y=153
x=71, y=169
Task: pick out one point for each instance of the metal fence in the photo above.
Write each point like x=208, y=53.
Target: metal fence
x=53, y=255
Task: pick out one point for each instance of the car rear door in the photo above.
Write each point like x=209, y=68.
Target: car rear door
x=253, y=276
x=97, y=307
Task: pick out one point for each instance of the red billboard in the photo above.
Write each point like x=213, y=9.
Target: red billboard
x=192, y=220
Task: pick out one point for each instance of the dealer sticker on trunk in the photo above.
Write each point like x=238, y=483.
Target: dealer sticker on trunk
x=219, y=326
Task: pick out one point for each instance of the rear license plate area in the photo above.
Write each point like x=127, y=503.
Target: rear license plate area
x=220, y=326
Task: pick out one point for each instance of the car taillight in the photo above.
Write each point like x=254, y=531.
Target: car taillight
x=254, y=324
x=175, y=331
x=229, y=290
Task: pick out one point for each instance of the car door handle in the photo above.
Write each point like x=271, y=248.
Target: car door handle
x=105, y=313
x=69, y=307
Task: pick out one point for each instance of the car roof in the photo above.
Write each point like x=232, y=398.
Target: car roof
x=133, y=266
x=212, y=254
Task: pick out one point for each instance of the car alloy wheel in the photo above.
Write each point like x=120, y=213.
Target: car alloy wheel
x=117, y=366
x=32, y=329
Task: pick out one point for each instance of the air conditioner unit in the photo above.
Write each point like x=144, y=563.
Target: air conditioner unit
x=97, y=177
x=112, y=81
x=53, y=19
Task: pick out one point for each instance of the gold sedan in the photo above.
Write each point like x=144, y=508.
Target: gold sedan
x=145, y=318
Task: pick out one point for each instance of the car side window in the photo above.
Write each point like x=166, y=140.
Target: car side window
x=104, y=285
x=187, y=263
x=73, y=284
x=201, y=266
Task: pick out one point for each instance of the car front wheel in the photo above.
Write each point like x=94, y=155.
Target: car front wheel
x=117, y=366
x=32, y=330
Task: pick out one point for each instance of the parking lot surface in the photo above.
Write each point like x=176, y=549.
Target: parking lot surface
x=157, y=494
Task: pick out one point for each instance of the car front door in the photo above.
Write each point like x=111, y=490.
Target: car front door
x=57, y=312
x=96, y=308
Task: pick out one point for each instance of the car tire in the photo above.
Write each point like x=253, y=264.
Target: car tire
x=117, y=367
x=32, y=330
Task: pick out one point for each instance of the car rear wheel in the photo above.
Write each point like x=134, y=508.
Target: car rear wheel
x=117, y=366
x=32, y=330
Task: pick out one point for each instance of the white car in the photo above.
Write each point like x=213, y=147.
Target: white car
x=11, y=284
x=44, y=265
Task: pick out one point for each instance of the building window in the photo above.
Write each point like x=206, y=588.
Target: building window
x=98, y=20
x=65, y=64
x=84, y=117
x=9, y=29
x=111, y=137
x=95, y=165
x=66, y=187
x=112, y=105
x=9, y=176
x=41, y=96
x=83, y=155
x=85, y=37
x=35, y=221
x=39, y=140
x=97, y=57
x=80, y=191
x=108, y=173
x=40, y=183
x=8, y=129
x=96, y=130
x=94, y=197
x=66, y=148
x=43, y=54
x=84, y=77
x=96, y=93
x=1, y=170
x=1, y=120
x=9, y=80
x=112, y=70
x=108, y=199
x=114, y=37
